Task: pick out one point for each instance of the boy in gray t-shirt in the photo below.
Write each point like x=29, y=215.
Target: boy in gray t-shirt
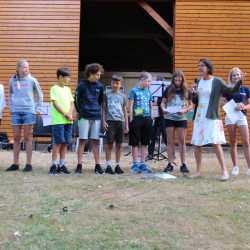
x=115, y=122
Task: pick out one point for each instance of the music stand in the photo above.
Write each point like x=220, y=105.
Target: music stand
x=157, y=89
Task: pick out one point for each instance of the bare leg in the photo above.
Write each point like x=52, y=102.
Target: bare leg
x=118, y=147
x=28, y=137
x=109, y=148
x=198, y=159
x=17, y=130
x=135, y=153
x=170, y=143
x=95, y=149
x=144, y=150
x=182, y=144
x=245, y=140
x=80, y=151
x=63, y=151
x=55, y=152
x=233, y=143
x=220, y=156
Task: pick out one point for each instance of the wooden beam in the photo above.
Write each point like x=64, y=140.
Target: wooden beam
x=162, y=45
x=146, y=36
x=156, y=17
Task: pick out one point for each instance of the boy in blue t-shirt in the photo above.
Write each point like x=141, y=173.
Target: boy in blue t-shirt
x=140, y=127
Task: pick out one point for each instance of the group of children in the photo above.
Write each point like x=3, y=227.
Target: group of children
x=95, y=108
x=98, y=108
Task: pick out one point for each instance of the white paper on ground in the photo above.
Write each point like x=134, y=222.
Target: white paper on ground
x=163, y=176
x=231, y=112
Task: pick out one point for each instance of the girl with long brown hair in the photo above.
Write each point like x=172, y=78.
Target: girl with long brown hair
x=175, y=104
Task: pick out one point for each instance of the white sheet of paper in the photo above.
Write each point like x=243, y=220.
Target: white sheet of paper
x=163, y=176
x=232, y=114
x=44, y=108
x=46, y=114
x=173, y=109
x=155, y=112
x=47, y=121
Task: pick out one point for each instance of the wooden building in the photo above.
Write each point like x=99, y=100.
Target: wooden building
x=125, y=35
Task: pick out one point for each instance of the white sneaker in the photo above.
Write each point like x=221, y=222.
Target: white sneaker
x=235, y=171
x=248, y=172
x=224, y=177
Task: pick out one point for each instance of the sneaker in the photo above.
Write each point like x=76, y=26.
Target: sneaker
x=235, y=171
x=169, y=168
x=224, y=177
x=150, y=157
x=13, y=167
x=64, y=170
x=184, y=169
x=118, y=170
x=27, y=168
x=78, y=169
x=53, y=170
x=248, y=172
x=145, y=168
x=58, y=169
x=109, y=170
x=98, y=169
x=135, y=169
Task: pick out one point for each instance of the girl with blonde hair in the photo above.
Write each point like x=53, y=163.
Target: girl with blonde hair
x=242, y=98
x=25, y=98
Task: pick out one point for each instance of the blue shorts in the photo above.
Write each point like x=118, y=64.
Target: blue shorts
x=62, y=134
x=23, y=118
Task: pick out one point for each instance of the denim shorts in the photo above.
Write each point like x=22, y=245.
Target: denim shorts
x=62, y=134
x=23, y=118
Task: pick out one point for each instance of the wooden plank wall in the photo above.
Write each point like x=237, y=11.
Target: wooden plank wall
x=43, y=31
x=216, y=29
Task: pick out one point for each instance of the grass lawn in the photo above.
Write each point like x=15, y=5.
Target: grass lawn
x=38, y=211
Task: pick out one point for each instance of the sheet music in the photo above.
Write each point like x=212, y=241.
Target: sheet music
x=233, y=114
x=45, y=112
x=173, y=109
x=157, y=87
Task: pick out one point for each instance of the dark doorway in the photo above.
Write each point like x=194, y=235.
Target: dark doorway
x=123, y=37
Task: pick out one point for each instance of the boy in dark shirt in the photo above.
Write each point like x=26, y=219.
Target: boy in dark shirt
x=88, y=102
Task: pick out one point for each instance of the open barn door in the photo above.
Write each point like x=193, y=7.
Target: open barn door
x=127, y=36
